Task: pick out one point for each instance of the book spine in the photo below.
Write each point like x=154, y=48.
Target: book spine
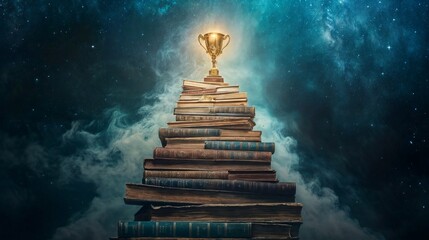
x=206, y=165
x=286, y=189
x=184, y=229
x=187, y=174
x=201, y=118
x=226, y=109
x=242, y=111
x=168, y=153
x=187, y=132
x=245, y=146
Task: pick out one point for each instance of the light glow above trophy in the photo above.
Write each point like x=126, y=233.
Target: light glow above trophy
x=214, y=47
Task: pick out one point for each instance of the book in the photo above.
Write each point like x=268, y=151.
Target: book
x=199, y=118
x=213, y=79
x=289, y=212
x=242, y=111
x=204, y=132
x=193, y=229
x=207, y=165
x=199, y=91
x=186, y=174
x=186, y=104
x=282, y=188
x=195, y=154
x=203, y=85
x=199, y=142
x=246, y=124
x=215, y=96
x=186, y=132
x=256, y=176
x=237, y=145
x=187, y=145
x=138, y=194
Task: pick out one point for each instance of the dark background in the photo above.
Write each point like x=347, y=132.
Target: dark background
x=352, y=78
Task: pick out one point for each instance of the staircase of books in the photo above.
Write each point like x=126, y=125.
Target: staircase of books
x=212, y=177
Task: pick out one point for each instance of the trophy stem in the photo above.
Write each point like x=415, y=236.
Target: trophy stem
x=214, y=71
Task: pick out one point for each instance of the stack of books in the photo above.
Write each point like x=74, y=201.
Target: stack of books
x=212, y=177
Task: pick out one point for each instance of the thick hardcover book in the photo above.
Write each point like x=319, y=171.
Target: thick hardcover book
x=209, y=97
x=201, y=229
x=186, y=174
x=254, y=212
x=282, y=188
x=189, y=145
x=220, y=89
x=186, y=132
x=184, y=104
x=201, y=140
x=202, y=118
x=246, y=146
x=139, y=194
x=170, y=153
x=256, y=176
x=192, y=84
x=247, y=124
x=217, y=111
x=213, y=79
x=207, y=164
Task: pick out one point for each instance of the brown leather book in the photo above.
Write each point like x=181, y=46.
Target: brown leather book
x=167, y=153
x=207, y=165
x=255, y=176
x=138, y=194
x=249, y=212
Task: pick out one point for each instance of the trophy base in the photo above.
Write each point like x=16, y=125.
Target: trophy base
x=214, y=72
x=214, y=79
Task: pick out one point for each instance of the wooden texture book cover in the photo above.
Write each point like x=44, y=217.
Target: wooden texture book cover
x=167, y=153
x=207, y=164
x=254, y=212
x=281, y=188
x=217, y=111
x=139, y=194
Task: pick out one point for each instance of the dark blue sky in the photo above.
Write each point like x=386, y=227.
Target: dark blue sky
x=340, y=86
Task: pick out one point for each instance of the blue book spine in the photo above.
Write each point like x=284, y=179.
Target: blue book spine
x=184, y=229
x=284, y=188
x=244, y=146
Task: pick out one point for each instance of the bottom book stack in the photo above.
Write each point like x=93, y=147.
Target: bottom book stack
x=211, y=209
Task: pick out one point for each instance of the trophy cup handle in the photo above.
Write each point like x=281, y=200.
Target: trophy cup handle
x=201, y=37
x=229, y=39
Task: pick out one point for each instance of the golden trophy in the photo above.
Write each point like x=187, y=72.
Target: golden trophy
x=213, y=46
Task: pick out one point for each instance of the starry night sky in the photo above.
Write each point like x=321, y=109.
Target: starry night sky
x=340, y=86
